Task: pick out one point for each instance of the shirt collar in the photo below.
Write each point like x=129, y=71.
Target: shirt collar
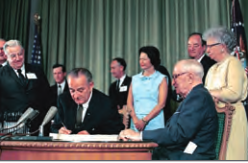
x=22, y=68
x=62, y=84
x=122, y=79
x=199, y=60
x=4, y=64
x=86, y=105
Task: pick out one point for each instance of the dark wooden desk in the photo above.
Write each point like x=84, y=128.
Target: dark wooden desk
x=38, y=150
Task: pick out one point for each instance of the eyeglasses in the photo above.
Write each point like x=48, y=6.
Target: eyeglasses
x=177, y=75
x=12, y=56
x=212, y=45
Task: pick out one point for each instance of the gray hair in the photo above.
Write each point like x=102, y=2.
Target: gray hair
x=76, y=72
x=223, y=35
x=191, y=65
x=11, y=43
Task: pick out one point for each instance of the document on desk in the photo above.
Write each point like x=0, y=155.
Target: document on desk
x=78, y=138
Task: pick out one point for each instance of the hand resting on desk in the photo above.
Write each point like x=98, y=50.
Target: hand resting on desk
x=129, y=134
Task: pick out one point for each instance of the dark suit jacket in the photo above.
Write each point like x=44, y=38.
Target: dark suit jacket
x=117, y=97
x=195, y=120
x=206, y=62
x=54, y=89
x=100, y=118
x=16, y=98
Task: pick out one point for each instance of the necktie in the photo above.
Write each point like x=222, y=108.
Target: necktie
x=21, y=77
x=59, y=89
x=117, y=85
x=79, y=115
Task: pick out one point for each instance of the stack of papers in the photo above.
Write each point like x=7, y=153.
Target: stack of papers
x=78, y=138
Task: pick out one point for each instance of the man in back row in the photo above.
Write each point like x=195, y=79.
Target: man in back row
x=85, y=110
x=191, y=132
x=60, y=86
x=3, y=57
x=196, y=51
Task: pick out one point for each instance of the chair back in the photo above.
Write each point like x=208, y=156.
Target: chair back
x=225, y=114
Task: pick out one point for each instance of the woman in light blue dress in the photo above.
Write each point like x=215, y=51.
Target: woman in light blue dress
x=148, y=92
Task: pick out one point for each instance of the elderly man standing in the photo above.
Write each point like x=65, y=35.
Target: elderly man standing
x=85, y=110
x=191, y=132
x=22, y=86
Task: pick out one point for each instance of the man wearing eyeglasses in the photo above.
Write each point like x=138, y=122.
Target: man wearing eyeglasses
x=3, y=57
x=22, y=86
x=191, y=132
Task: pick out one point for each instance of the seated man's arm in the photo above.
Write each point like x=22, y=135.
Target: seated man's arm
x=184, y=123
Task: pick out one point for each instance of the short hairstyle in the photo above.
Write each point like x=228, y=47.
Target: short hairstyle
x=191, y=65
x=222, y=35
x=203, y=42
x=56, y=65
x=76, y=72
x=11, y=43
x=121, y=61
x=153, y=54
x=1, y=39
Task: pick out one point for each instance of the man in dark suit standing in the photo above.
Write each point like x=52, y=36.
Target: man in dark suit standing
x=196, y=50
x=118, y=90
x=191, y=132
x=3, y=57
x=60, y=86
x=23, y=85
x=85, y=110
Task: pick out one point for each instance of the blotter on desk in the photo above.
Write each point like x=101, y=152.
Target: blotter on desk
x=78, y=138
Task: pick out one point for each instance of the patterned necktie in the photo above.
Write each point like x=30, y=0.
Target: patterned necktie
x=79, y=115
x=21, y=77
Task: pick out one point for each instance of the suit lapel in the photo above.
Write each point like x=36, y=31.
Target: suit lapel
x=30, y=83
x=92, y=108
x=13, y=74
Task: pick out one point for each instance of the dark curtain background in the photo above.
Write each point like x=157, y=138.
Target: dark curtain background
x=14, y=20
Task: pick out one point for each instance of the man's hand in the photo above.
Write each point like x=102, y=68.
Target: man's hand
x=84, y=132
x=64, y=130
x=129, y=135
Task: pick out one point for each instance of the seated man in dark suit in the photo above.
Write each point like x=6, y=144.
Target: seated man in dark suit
x=85, y=110
x=118, y=90
x=191, y=132
x=60, y=86
x=22, y=86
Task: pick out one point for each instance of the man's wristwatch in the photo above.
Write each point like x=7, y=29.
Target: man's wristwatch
x=143, y=119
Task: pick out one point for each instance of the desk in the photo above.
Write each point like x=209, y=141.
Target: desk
x=38, y=150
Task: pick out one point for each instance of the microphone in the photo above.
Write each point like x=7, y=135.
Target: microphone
x=27, y=117
x=30, y=113
x=50, y=114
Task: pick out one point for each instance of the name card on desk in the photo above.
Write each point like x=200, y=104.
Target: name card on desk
x=78, y=138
